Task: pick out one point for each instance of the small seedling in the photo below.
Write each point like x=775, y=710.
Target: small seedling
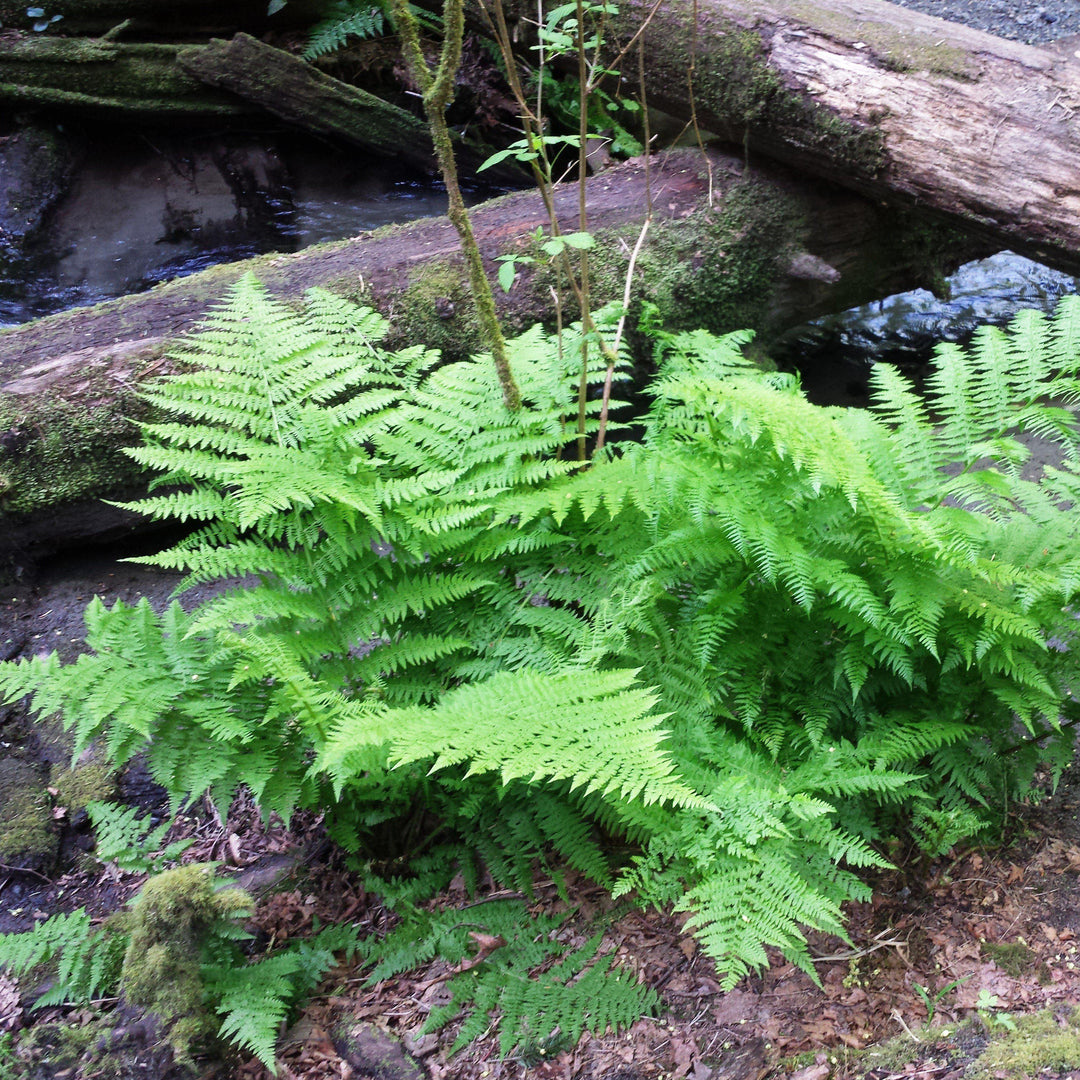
x=931, y=1001
x=985, y=1004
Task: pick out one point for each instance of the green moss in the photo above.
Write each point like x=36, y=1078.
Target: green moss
x=1014, y=958
x=65, y=449
x=716, y=269
x=63, y=1046
x=757, y=230
x=436, y=310
x=25, y=817
x=95, y=1047
x=171, y=918
x=88, y=72
x=1042, y=1043
x=75, y=787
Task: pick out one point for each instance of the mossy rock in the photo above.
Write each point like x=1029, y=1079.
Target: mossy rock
x=81, y=784
x=27, y=838
x=35, y=167
x=121, y=1045
x=438, y=311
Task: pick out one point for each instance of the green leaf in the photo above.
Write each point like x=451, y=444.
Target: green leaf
x=507, y=274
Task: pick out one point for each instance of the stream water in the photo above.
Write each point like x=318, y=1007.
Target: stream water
x=835, y=355
x=145, y=208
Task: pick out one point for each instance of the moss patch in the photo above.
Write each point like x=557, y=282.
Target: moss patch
x=54, y=451
x=719, y=274
x=1044, y=1042
x=75, y=787
x=26, y=833
x=437, y=311
x=161, y=971
x=1014, y=958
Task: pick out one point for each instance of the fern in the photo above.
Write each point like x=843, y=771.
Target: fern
x=86, y=961
x=501, y=986
x=753, y=645
x=345, y=19
x=122, y=839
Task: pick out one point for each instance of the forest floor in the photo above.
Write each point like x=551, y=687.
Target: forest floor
x=988, y=940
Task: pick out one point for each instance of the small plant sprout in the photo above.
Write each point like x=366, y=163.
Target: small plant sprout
x=932, y=1001
x=986, y=1005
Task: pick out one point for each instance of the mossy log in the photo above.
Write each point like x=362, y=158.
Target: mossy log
x=133, y=81
x=305, y=97
x=241, y=77
x=893, y=103
x=727, y=249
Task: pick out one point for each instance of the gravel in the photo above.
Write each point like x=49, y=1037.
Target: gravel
x=1034, y=23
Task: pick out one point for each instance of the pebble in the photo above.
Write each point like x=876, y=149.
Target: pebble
x=1031, y=23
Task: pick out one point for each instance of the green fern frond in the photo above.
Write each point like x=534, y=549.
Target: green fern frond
x=347, y=19
x=122, y=839
x=524, y=725
x=87, y=961
x=253, y=1001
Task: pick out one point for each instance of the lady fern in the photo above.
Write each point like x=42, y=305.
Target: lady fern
x=753, y=644
x=344, y=19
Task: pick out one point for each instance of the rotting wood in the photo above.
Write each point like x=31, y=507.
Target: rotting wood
x=305, y=97
x=84, y=75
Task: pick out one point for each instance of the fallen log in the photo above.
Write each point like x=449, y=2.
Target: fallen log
x=295, y=91
x=136, y=82
x=242, y=77
x=887, y=101
x=770, y=251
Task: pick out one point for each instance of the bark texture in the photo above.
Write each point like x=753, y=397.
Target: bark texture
x=896, y=104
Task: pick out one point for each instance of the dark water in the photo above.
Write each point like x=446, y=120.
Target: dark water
x=835, y=355
x=147, y=208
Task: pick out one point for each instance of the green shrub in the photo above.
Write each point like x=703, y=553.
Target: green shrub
x=751, y=646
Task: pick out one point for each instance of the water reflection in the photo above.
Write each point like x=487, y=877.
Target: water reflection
x=145, y=209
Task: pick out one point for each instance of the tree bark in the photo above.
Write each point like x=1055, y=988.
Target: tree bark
x=895, y=104
x=770, y=251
